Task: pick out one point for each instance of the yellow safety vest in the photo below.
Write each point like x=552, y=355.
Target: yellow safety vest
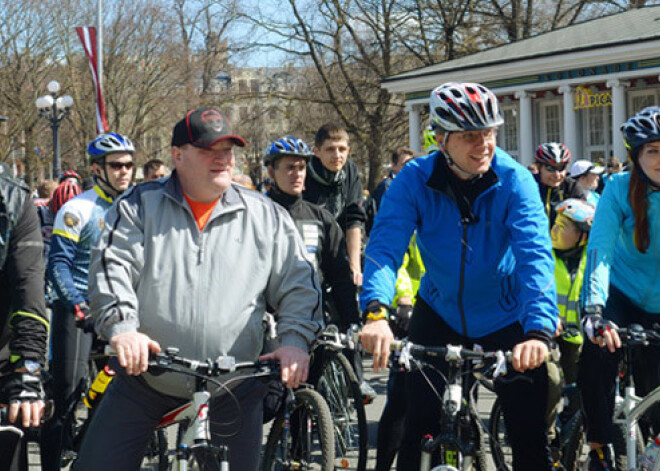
x=568, y=294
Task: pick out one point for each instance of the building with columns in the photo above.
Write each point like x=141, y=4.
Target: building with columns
x=575, y=85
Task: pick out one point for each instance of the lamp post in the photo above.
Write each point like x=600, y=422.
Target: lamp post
x=54, y=109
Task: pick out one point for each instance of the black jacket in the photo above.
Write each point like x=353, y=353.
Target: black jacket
x=324, y=242
x=553, y=196
x=339, y=193
x=24, y=323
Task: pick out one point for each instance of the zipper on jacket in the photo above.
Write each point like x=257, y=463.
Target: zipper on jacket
x=461, y=283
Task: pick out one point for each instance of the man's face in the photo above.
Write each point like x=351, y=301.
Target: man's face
x=289, y=174
x=614, y=167
x=553, y=175
x=472, y=151
x=119, y=171
x=153, y=174
x=564, y=233
x=333, y=153
x=403, y=160
x=205, y=174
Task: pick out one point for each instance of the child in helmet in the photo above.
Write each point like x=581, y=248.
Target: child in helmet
x=569, y=235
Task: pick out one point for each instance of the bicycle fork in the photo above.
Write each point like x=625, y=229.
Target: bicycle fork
x=452, y=400
x=199, y=434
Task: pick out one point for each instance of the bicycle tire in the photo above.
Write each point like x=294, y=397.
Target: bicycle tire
x=339, y=386
x=573, y=445
x=156, y=456
x=310, y=409
x=499, y=443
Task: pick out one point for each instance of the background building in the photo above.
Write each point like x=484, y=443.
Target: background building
x=576, y=85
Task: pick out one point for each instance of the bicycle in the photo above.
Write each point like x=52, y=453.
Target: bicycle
x=568, y=441
x=301, y=437
x=460, y=444
x=335, y=380
x=633, y=427
x=80, y=412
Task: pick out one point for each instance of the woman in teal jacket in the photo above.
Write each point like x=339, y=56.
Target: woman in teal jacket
x=622, y=279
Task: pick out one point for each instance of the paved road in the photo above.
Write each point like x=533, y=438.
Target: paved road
x=378, y=381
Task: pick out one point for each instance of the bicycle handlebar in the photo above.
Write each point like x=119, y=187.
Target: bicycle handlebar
x=221, y=365
x=636, y=335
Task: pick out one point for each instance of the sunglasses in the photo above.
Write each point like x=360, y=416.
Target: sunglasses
x=120, y=165
x=554, y=168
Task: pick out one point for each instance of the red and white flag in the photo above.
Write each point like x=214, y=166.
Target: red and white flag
x=87, y=35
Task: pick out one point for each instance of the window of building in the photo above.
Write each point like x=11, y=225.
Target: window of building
x=508, y=134
x=254, y=86
x=640, y=99
x=242, y=86
x=551, y=121
x=597, y=129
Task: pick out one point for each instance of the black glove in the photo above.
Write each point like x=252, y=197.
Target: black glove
x=84, y=320
x=22, y=387
x=401, y=320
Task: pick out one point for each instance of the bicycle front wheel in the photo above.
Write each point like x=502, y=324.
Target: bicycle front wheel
x=499, y=441
x=306, y=442
x=339, y=386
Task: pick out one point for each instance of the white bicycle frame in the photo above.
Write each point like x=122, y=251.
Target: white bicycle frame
x=627, y=411
x=197, y=433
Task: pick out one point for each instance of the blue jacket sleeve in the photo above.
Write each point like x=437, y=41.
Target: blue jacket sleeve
x=393, y=227
x=530, y=242
x=605, y=232
x=60, y=263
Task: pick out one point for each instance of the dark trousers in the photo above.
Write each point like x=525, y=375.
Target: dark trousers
x=130, y=411
x=598, y=369
x=390, y=426
x=523, y=402
x=70, y=349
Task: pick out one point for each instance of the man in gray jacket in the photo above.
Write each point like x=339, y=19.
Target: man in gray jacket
x=192, y=261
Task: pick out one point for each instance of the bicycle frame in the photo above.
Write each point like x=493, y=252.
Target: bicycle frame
x=629, y=408
x=456, y=414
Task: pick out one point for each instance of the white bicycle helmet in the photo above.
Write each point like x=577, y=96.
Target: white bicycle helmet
x=464, y=107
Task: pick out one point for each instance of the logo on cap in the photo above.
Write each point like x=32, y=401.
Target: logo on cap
x=213, y=119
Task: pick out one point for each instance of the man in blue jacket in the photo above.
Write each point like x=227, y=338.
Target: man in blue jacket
x=484, y=238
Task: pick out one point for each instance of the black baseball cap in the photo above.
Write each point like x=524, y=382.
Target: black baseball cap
x=204, y=127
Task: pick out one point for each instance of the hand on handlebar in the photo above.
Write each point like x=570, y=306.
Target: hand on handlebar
x=294, y=364
x=601, y=332
x=529, y=355
x=376, y=338
x=133, y=351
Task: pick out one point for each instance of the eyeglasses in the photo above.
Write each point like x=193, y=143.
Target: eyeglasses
x=120, y=165
x=472, y=137
x=554, y=168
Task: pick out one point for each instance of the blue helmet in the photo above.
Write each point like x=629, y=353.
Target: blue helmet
x=286, y=146
x=640, y=129
x=108, y=143
x=578, y=211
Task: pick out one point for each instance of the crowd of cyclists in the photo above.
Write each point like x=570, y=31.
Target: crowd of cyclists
x=464, y=246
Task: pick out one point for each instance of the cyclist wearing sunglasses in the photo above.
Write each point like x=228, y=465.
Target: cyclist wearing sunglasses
x=552, y=160
x=77, y=229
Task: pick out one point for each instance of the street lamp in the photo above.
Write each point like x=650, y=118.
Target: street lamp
x=54, y=109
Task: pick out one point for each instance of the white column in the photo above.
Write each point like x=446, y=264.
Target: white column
x=618, y=115
x=414, y=129
x=526, y=131
x=570, y=122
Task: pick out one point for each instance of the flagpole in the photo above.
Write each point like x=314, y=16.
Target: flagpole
x=99, y=43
